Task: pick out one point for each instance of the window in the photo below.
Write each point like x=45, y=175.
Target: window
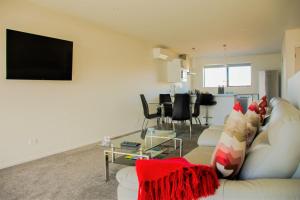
x=227, y=75
x=239, y=75
x=215, y=76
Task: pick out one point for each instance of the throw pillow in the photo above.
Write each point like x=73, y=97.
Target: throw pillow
x=263, y=108
x=275, y=153
x=253, y=122
x=230, y=151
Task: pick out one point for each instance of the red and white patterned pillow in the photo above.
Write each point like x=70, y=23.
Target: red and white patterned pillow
x=230, y=151
x=253, y=122
x=263, y=104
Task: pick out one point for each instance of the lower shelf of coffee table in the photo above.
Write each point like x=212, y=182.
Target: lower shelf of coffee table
x=131, y=162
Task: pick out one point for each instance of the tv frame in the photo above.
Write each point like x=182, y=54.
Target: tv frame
x=36, y=35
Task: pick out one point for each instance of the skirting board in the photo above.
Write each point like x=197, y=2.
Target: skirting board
x=71, y=149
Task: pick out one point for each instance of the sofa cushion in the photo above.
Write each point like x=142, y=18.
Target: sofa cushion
x=209, y=137
x=273, y=189
x=279, y=158
x=200, y=155
x=219, y=127
x=261, y=139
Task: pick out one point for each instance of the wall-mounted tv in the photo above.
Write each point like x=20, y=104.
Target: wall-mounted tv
x=36, y=57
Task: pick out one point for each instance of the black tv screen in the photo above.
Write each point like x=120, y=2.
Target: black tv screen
x=36, y=57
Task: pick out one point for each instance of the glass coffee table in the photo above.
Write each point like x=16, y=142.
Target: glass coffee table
x=141, y=146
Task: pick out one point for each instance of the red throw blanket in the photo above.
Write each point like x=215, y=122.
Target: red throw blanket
x=174, y=178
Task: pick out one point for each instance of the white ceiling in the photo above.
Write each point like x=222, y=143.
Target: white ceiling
x=246, y=26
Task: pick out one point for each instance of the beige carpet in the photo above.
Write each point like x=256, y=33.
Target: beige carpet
x=73, y=175
x=76, y=175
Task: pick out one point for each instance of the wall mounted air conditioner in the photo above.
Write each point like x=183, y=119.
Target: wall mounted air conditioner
x=160, y=53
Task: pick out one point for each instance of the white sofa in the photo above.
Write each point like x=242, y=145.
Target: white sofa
x=271, y=169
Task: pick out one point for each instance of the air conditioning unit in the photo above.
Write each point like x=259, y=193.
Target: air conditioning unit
x=160, y=53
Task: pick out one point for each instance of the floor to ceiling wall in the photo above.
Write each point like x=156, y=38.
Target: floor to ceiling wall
x=290, y=42
x=110, y=70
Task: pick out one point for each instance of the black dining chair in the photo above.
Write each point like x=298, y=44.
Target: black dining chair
x=196, y=112
x=147, y=115
x=181, y=110
x=166, y=101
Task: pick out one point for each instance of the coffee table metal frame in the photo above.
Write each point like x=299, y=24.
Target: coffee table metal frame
x=140, y=154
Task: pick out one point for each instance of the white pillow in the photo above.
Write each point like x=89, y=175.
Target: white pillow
x=262, y=138
x=280, y=158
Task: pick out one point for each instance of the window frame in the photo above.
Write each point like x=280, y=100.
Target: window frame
x=227, y=66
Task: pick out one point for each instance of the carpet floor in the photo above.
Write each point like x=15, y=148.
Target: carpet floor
x=73, y=175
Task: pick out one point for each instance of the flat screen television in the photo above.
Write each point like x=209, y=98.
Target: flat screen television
x=36, y=57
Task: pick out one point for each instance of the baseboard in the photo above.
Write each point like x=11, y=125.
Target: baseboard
x=63, y=150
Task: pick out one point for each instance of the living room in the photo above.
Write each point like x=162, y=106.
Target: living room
x=112, y=64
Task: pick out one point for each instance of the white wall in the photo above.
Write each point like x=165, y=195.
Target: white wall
x=293, y=89
x=290, y=42
x=259, y=63
x=110, y=70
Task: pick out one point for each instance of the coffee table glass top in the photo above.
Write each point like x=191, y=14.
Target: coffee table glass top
x=152, y=138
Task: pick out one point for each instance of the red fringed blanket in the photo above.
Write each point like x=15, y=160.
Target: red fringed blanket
x=174, y=178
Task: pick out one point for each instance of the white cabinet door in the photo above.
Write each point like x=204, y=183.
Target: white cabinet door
x=219, y=111
x=174, y=71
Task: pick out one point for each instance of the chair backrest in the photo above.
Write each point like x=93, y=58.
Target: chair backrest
x=181, y=108
x=164, y=98
x=145, y=105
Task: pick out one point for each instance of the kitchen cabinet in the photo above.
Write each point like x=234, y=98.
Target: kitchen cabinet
x=175, y=71
x=225, y=103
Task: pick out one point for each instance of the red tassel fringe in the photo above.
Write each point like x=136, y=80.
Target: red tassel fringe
x=188, y=183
